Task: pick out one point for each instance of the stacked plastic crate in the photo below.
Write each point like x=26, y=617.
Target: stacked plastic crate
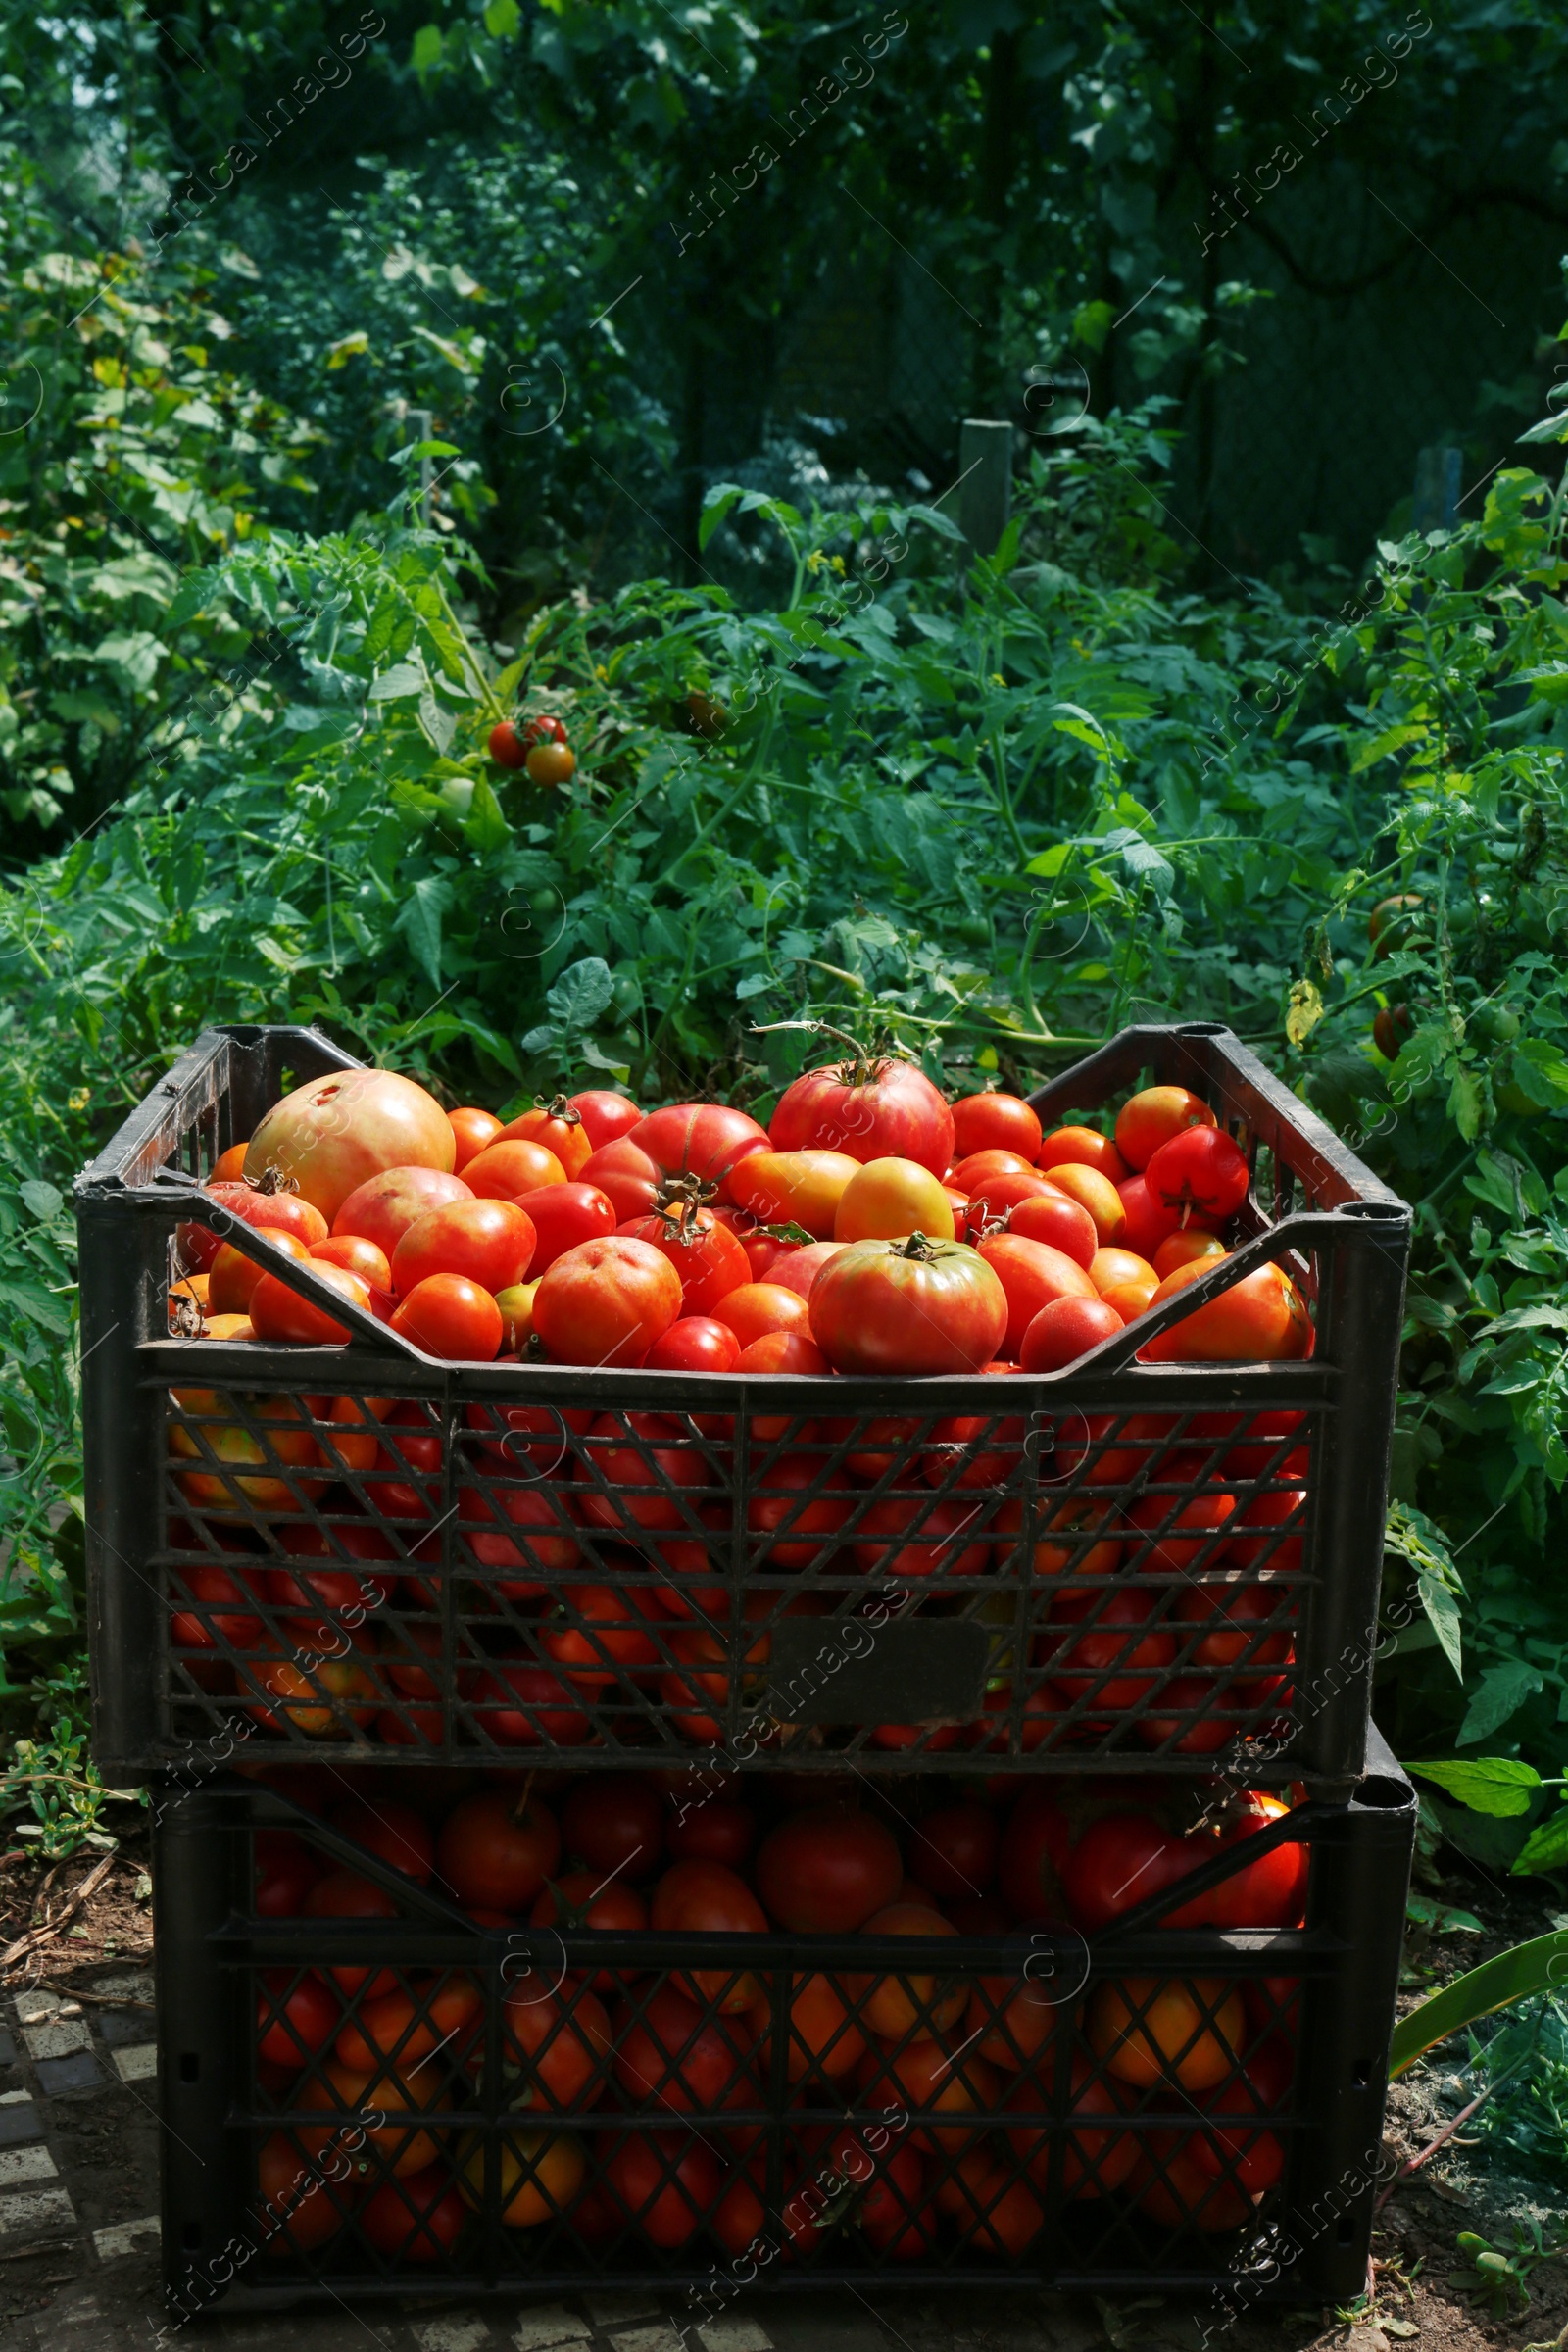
x=529, y=1741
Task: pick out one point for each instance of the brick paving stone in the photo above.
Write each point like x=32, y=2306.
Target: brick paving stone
x=660, y=2338
x=117, y=2239
x=19, y=2118
x=24, y=2164
x=736, y=2335
x=27, y=2210
x=453, y=2332
x=618, y=2307
x=79, y=2072
x=138, y=2064
x=553, y=2326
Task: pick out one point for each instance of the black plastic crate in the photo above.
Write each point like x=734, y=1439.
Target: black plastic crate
x=1067, y=2131
x=802, y=1571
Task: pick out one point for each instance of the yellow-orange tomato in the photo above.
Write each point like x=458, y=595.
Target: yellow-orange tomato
x=913, y=2007
x=230, y=1167
x=1096, y=1193
x=1188, y=1246
x=1151, y=1119
x=1187, y=2032
x=1130, y=1299
x=1110, y=1268
x=244, y=1466
x=888, y=1199
x=472, y=1131
x=927, y=2074
x=234, y=1276
x=556, y=1125
x=325, y=1697
x=1016, y=2023
x=356, y=1445
x=1082, y=1148
x=801, y=1188
x=1260, y=1319
x=541, y=2174
x=227, y=1327
x=508, y=1169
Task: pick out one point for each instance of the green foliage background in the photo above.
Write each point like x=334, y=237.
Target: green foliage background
x=1001, y=805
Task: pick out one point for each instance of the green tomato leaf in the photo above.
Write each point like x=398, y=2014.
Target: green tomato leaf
x=1497, y=1785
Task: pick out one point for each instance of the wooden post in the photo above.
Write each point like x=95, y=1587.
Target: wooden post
x=984, y=471
x=420, y=422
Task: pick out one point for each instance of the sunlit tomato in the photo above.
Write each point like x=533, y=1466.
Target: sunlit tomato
x=559, y=1126
x=206, y=1625
x=648, y=1464
x=1082, y=1148
x=798, y=1270
x=1151, y=1119
x=1189, y=1242
x=793, y=1188
x=615, y=1822
x=913, y=1306
x=605, y=1114
x=474, y=1131
x=871, y=1109
x=497, y=1851
x=229, y=1165
x=1118, y=1862
x=667, y=2183
x=490, y=1243
x=1264, y=1455
x=781, y=1352
x=1095, y=2159
x=356, y=1256
x=828, y=1871
x=1114, y=1664
x=1201, y=1172
x=344, y=1895
x=244, y=1468
x=915, y=2007
x=1031, y=1274
x=450, y=1316
x=894, y=2211
x=1259, y=1538
x=705, y=1139
x=513, y=1168
x=909, y=1533
x=887, y=1198
x=929, y=2076
x=1032, y=1856
x=1268, y=1892
x=519, y=1703
x=973, y=1171
x=329, y=1135
x=280, y=1212
x=382, y=1209
x=694, y=1344
x=993, y=1197
x=542, y=2174
x=707, y=1257
x=752, y=1309
x=606, y=1302
x=761, y=1243
x=294, y=2018
x=1110, y=1268
x=1185, y=2032
x=397, y=2030
x=233, y=1277
x=799, y=1528
x=278, y=1313
x=629, y=1176
x=952, y=1851
x=1096, y=1194
x=299, y=2209
x=560, y=2038
x=995, y=1122
x=1147, y=1222
x=562, y=1217
x=1260, y=1319
x=1063, y=1224
x=1180, y=1529
x=1065, y=1329
x=517, y=1528
x=415, y=2219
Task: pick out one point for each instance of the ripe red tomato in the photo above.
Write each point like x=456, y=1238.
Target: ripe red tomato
x=1255, y=1540
x=344, y=1895
x=798, y=1270
x=696, y=1696
x=761, y=1243
x=1253, y=2159
x=629, y=1177
x=894, y=2211
x=913, y=1306
x=233, y=1276
x=1064, y=1224
x=1260, y=1319
x=871, y=1109
x=909, y=1533
x=1198, y=1717
x=1202, y=1171
x=278, y=1313
x=562, y=2038
x=490, y=1243
x=1151, y=1119
x=1065, y=1329
x=599, y=1633
x=559, y=1127
x=565, y=1214
x=519, y=1703
x=1112, y=1665
x=615, y=1822
x=705, y=1139
x=282, y=1211
x=1032, y=1856
x=801, y=1529
x=694, y=1344
x=544, y=729
x=606, y=1302
x=384, y=1207
x=752, y=1309
x=356, y=1256
x=1268, y=1892
x=1180, y=1530
x=517, y=1528
x=995, y=1122
x=952, y=1851
x=295, y=2016
x=204, y=1628
x=649, y=1462
x=971, y=1450
x=709, y=1259
x=1032, y=1274
x=605, y=1114
x=420, y=2219
x=1187, y=1242
x=497, y=1851
x=474, y=1131
x=974, y=1168
x=1042, y=1718
x=1147, y=1221
x=828, y=1871
x=512, y=1168
x=533, y=1439
x=399, y=2030
x=1232, y=1608
x=1118, y=1862
x=505, y=746
x=993, y=1197
x=668, y=2182
x=287, y=2187
x=450, y=1316
x=700, y=1897
x=721, y=1830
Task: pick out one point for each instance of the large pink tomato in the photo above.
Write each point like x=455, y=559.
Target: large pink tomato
x=333, y=1135
x=913, y=1306
x=870, y=1109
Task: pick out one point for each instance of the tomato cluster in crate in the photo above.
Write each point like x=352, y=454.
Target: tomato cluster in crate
x=912, y=2054
x=433, y=1577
